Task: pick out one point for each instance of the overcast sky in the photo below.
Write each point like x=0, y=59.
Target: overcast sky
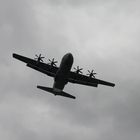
x=101, y=35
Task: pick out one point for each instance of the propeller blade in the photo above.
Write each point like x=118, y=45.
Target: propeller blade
x=52, y=62
x=78, y=70
x=55, y=61
x=88, y=71
x=39, y=58
x=91, y=74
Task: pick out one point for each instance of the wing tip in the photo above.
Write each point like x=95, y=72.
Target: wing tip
x=14, y=55
x=113, y=85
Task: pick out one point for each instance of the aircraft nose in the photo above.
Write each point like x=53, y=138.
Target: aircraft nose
x=70, y=55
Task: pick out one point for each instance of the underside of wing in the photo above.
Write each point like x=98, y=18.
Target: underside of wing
x=85, y=80
x=105, y=83
x=39, y=66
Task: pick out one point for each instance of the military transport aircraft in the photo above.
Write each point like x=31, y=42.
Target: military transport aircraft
x=62, y=74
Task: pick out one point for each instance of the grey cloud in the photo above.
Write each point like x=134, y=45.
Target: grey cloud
x=105, y=36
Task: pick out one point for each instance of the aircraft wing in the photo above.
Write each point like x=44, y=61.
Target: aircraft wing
x=39, y=66
x=85, y=80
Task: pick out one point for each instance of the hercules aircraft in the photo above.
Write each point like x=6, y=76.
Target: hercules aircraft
x=62, y=74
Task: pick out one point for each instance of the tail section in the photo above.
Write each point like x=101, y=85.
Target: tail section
x=51, y=90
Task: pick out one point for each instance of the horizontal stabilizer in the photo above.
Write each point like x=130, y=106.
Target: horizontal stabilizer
x=51, y=90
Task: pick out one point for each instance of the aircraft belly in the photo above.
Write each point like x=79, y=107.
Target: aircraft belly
x=61, y=79
x=58, y=85
x=57, y=90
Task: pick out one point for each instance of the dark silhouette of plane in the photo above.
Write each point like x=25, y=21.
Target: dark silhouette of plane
x=62, y=74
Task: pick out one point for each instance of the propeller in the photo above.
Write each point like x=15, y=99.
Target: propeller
x=78, y=70
x=53, y=62
x=91, y=74
x=39, y=58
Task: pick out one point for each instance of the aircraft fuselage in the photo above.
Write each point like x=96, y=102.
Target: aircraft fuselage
x=62, y=74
